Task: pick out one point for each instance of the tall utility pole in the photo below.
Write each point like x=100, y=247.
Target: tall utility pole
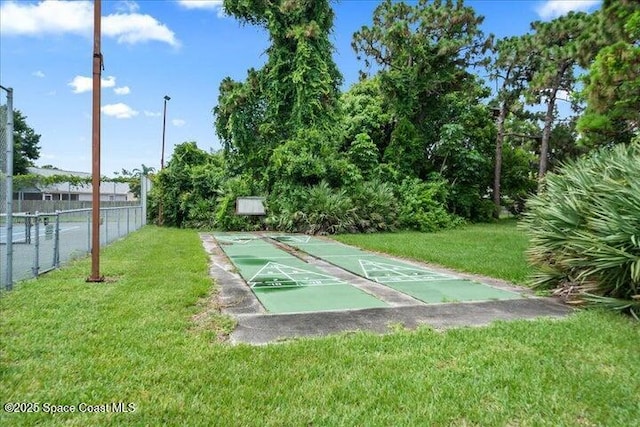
x=9, y=192
x=95, y=172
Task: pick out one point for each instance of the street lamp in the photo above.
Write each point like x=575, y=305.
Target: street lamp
x=164, y=125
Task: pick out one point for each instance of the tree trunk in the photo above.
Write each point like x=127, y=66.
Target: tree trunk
x=546, y=133
x=497, y=172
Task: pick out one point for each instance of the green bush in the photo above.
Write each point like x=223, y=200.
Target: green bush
x=376, y=206
x=225, y=213
x=319, y=209
x=585, y=230
x=422, y=205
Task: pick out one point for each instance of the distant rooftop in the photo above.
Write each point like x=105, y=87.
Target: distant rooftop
x=54, y=171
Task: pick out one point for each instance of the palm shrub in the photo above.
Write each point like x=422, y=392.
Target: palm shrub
x=318, y=209
x=585, y=230
x=376, y=206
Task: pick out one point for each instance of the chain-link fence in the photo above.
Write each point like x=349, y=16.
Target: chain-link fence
x=38, y=240
x=44, y=241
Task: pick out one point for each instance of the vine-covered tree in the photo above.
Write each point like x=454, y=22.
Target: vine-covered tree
x=296, y=90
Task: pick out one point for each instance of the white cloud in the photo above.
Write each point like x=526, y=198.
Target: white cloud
x=82, y=84
x=178, y=122
x=127, y=6
x=124, y=90
x=563, y=95
x=151, y=114
x=76, y=17
x=49, y=16
x=119, y=111
x=203, y=4
x=38, y=74
x=553, y=8
x=136, y=28
x=200, y=4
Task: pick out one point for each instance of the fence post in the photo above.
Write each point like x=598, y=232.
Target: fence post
x=56, y=242
x=89, y=233
x=9, y=189
x=36, y=258
x=106, y=226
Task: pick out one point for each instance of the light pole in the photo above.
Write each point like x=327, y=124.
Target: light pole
x=164, y=126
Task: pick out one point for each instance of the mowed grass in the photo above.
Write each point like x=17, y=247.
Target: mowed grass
x=66, y=342
x=494, y=250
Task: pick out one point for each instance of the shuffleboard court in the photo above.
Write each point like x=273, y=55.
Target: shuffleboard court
x=419, y=282
x=285, y=284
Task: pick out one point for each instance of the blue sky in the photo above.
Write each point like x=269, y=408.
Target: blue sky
x=153, y=48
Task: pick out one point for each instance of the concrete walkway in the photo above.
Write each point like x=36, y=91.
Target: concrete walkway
x=255, y=325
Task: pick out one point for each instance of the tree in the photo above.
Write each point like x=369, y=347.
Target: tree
x=422, y=52
x=25, y=141
x=558, y=45
x=188, y=186
x=612, y=86
x=297, y=89
x=364, y=111
x=438, y=125
x=514, y=65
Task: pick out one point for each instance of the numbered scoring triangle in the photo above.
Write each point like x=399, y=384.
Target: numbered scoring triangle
x=241, y=240
x=280, y=275
x=296, y=239
x=387, y=273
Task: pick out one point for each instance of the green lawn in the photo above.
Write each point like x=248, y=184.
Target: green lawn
x=495, y=250
x=135, y=340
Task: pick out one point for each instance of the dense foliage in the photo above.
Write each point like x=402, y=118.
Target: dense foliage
x=585, y=229
x=421, y=141
x=25, y=141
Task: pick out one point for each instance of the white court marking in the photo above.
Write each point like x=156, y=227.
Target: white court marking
x=391, y=273
x=280, y=275
x=289, y=238
x=239, y=239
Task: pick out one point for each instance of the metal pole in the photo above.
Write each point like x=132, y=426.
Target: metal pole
x=56, y=242
x=95, y=179
x=9, y=206
x=36, y=257
x=164, y=125
x=143, y=195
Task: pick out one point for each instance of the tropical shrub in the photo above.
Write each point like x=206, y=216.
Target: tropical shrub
x=364, y=154
x=585, y=230
x=422, y=205
x=319, y=209
x=225, y=211
x=376, y=206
